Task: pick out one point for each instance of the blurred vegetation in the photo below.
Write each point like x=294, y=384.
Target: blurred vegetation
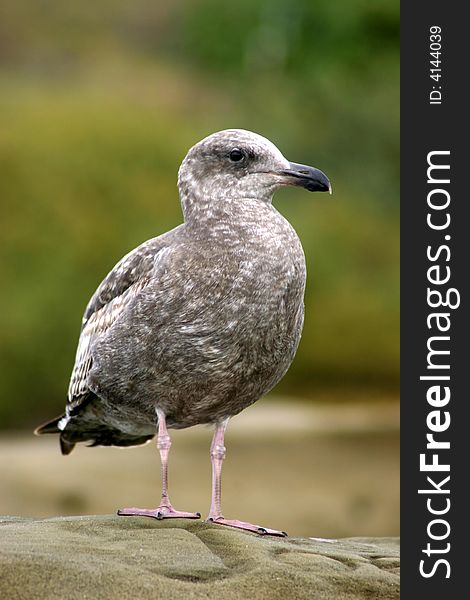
x=99, y=103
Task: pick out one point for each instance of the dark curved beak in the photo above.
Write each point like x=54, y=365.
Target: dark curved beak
x=310, y=178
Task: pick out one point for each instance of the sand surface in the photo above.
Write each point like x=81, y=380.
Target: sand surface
x=109, y=557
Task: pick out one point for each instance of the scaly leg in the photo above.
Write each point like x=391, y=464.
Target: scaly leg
x=165, y=510
x=215, y=513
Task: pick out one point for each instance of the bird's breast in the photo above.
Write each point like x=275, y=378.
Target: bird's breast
x=242, y=289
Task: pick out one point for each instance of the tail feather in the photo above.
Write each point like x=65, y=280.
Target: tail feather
x=52, y=426
x=80, y=430
x=66, y=447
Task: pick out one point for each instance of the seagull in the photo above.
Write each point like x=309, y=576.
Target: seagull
x=195, y=325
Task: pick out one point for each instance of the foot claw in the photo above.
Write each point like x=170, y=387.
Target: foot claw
x=160, y=513
x=245, y=526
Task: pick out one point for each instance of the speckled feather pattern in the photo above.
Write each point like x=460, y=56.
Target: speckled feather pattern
x=201, y=321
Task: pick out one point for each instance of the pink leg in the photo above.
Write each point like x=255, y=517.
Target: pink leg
x=165, y=510
x=215, y=513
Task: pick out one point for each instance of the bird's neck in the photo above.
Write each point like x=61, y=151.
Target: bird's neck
x=238, y=213
x=250, y=221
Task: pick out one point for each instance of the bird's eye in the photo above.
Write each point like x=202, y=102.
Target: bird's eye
x=236, y=155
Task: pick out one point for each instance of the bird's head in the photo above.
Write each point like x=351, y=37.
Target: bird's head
x=235, y=164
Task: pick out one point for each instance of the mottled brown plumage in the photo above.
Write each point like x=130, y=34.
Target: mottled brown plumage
x=196, y=324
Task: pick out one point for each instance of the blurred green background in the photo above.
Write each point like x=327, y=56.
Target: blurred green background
x=99, y=103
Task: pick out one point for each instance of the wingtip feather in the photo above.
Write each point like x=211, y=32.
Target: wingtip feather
x=49, y=426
